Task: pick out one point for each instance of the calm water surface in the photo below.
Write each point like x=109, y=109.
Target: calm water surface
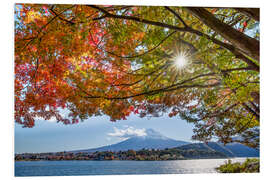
x=72, y=168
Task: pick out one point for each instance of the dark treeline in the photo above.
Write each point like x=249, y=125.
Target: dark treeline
x=140, y=155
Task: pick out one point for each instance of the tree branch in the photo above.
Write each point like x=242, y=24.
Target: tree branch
x=177, y=15
x=137, y=19
x=50, y=21
x=58, y=15
x=185, y=29
x=148, y=74
x=153, y=92
x=165, y=89
x=215, y=114
x=251, y=110
x=247, y=44
x=253, y=13
x=150, y=50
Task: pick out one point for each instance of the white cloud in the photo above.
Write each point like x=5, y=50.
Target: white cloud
x=127, y=132
x=108, y=138
x=53, y=119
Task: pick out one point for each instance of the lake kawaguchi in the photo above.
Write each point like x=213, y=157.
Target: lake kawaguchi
x=74, y=168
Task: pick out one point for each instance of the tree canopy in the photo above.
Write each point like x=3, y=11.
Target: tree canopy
x=201, y=64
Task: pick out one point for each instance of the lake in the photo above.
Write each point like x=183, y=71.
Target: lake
x=73, y=168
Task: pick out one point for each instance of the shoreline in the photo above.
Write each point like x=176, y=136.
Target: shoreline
x=140, y=160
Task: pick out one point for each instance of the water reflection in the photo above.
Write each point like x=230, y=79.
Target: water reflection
x=69, y=168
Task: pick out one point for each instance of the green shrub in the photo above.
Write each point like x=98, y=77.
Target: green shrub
x=249, y=166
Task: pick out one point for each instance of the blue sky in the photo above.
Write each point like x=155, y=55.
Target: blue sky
x=49, y=136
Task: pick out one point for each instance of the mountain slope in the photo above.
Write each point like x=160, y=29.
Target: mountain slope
x=241, y=150
x=153, y=140
x=230, y=150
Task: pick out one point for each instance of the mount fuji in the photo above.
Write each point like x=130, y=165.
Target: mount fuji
x=152, y=140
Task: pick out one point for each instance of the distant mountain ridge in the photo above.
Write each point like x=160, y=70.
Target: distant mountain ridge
x=230, y=150
x=155, y=140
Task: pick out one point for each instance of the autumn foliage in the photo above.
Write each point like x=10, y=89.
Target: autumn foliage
x=77, y=61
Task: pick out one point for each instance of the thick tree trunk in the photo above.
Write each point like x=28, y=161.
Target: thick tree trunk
x=246, y=44
x=256, y=97
x=253, y=13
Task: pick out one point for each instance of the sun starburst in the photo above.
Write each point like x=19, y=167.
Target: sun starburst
x=181, y=60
